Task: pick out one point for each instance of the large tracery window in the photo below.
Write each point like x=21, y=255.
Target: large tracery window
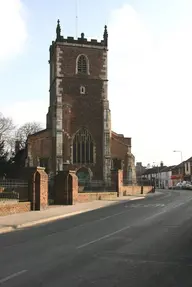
x=82, y=65
x=83, y=147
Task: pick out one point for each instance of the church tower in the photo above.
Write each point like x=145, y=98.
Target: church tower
x=79, y=114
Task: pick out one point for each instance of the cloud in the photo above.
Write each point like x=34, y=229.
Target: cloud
x=13, y=33
x=150, y=84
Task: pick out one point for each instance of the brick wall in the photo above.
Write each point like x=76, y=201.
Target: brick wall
x=43, y=198
x=39, y=146
x=13, y=208
x=86, y=196
x=1, y=189
x=135, y=190
x=119, y=146
x=121, y=151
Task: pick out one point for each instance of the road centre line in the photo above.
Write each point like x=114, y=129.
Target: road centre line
x=107, y=217
x=12, y=276
x=110, y=216
x=94, y=221
x=103, y=237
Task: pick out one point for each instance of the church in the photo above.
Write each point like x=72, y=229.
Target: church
x=78, y=132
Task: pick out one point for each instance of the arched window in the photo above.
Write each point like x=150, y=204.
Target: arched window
x=82, y=65
x=83, y=147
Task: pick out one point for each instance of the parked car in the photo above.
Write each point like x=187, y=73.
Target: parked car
x=179, y=185
x=183, y=185
x=188, y=185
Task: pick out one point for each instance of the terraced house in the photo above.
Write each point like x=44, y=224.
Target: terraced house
x=78, y=132
x=182, y=171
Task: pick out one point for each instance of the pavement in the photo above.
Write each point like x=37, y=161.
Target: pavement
x=131, y=243
x=22, y=220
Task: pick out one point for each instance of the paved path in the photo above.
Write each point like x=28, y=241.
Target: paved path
x=145, y=243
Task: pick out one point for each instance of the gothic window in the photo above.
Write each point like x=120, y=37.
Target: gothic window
x=83, y=147
x=82, y=65
x=82, y=90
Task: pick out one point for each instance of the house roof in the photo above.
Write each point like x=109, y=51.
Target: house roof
x=189, y=159
x=168, y=168
x=121, y=139
x=154, y=169
x=179, y=165
x=182, y=163
x=38, y=133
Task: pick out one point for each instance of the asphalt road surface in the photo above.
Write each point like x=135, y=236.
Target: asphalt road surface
x=137, y=243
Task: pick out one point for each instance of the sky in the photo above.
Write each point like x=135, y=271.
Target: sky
x=149, y=66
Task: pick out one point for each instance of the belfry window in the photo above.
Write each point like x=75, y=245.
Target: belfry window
x=82, y=65
x=82, y=90
x=83, y=147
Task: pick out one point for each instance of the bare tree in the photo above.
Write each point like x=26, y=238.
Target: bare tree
x=6, y=127
x=25, y=130
x=6, y=132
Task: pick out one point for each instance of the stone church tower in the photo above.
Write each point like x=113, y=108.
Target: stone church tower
x=78, y=134
x=79, y=115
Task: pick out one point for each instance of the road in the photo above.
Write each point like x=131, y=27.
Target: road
x=137, y=243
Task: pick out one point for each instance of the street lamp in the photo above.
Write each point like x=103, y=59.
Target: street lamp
x=181, y=154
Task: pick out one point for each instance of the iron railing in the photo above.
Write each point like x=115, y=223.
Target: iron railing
x=13, y=183
x=7, y=196
x=144, y=182
x=96, y=186
x=127, y=182
x=51, y=181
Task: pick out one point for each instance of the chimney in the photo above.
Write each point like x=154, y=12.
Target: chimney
x=161, y=164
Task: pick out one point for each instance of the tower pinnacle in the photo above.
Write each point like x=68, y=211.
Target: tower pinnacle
x=58, y=30
x=105, y=36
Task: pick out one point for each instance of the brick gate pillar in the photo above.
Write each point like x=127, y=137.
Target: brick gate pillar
x=117, y=180
x=37, y=187
x=66, y=188
x=40, y=189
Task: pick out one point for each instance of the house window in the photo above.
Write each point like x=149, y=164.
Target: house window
x=83, y=147
x=82, y=65
x=82, y=90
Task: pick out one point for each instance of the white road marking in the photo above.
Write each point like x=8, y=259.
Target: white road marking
x=146, y=205
x=109, y=216
x=167, y=209
x=129, y=226
x=12, y=276
x=99, y=219
x=96, y=220
x=103, y=237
